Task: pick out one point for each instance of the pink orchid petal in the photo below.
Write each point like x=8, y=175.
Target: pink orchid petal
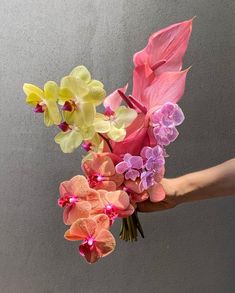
x=105, y=242
x=127, y=212
x=114, y=99
x=102, y=222
x=83, y=228
x=78, y=185
x=118, y=198
x=107, y=185
x=76, y=211
x=122, y=167
x=132, y=174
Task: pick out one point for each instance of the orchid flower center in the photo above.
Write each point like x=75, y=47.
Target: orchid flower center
x=67, y=200
x=90, y=241
x=111, y=211
x=94, y=179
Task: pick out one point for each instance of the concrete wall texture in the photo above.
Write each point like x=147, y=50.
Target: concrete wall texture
x=187, y=249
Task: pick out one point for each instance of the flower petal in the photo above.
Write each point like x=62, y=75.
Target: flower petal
x=116, y=134
x=76, y=211
x=78, y=87
x=69, y=141
x=53, y=112
x=105, y=242
x=102, y=222
x=82, y=73
x=114, y=99
x=88, y=113
x=51, y=91
x=78, y=185
x=83, y=228
x=121, y=167
x=101, y=125
x=124, y=116
x=119, y=198
x=29, y=88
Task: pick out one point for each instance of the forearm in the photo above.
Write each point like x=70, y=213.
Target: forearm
x=205, y=184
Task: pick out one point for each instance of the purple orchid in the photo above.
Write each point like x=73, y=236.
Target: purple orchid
x=154, y=162
x=164, y=122
x=131, y=166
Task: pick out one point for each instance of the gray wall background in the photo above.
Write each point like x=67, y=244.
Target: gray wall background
x=188, y=249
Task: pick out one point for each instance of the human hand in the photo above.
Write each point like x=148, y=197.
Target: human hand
x=172, y=199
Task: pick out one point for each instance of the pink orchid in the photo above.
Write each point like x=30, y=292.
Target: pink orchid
x=116, y=204
x=97, y=240
x=77, y=198
x=100, y=171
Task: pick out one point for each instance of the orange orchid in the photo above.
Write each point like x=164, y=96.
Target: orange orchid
x=78, y=199
x=97, y=239
x=100, y=170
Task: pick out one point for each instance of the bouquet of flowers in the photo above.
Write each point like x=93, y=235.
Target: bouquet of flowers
x=125, y=144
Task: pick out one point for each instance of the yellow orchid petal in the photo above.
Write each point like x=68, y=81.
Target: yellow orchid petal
x=76, y=86
x=68, y=141
x=73, y=117
x=117, y=134
x=96, y=83
x=124, y=117
x=53, y=111
x=33, y=99
x=87, y=132
x=65, y=95
x=47, y=119
x=101, y=125
x=51, y=91
x=88, y=113
x=82, y=73
x=29, y=88
x=96, y=95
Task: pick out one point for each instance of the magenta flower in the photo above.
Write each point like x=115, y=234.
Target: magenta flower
x=131, y=166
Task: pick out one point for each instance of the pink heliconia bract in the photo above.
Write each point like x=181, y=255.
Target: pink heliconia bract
x=166, y=48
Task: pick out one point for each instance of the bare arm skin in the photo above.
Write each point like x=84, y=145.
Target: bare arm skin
x=209, y=183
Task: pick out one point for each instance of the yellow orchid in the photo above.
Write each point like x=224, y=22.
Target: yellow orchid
x=79, y=95
x=72, y=136
x=114, y=124
x=44, y=101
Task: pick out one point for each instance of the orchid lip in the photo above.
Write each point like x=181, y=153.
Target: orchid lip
x=39, y=108
x=67, y=107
